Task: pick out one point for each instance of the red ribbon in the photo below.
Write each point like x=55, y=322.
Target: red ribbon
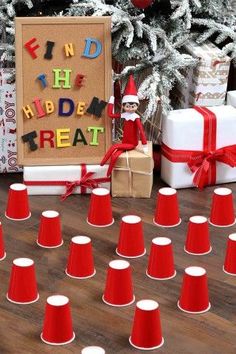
x=86, y=181
x=203, y=163
x=216, y=62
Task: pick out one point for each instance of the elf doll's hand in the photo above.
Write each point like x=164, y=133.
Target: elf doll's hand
x=112, y=100
x=145, y=149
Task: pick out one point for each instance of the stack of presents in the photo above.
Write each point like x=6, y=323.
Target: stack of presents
x=198, y=142
x=198, y=137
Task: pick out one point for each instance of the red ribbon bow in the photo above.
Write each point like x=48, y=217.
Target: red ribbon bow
x=203, y=163
x=85, y=182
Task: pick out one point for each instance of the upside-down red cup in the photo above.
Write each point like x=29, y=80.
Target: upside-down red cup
x=161, y=259
x=198, y=236
x=18, y=203
x=222, y=208
x=230, y=256
x=146, y=332
x=100, y=209
x=80, y=262
x=57, y=326
x=93, y=350
x=167, y=208
x=119, y=287
x=194, y=296
x=23, y=286
x=131, y=240
x=2, y=247
x=50, y=235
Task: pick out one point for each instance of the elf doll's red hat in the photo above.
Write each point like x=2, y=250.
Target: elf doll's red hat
x=130, y=93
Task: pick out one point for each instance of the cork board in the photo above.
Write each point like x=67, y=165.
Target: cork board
x=84, y=134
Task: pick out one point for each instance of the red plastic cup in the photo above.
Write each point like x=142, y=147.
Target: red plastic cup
x=119, y=288
x=100, y=210
x=131, y=240
x=198, y=236
x=80, y=262
x=222, y=208
x=194, y=293
x=2, y=247
x=161, y=260
x=18, y=203
x=23, y=286
x=230, y=257
x=146, y=332
x=167, y=208
x=57, y=327
x=93, y=350
x=50, y=235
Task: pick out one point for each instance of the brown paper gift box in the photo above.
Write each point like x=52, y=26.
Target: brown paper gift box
x=133, y=174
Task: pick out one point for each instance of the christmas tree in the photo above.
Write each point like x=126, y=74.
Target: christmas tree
x=146, y=41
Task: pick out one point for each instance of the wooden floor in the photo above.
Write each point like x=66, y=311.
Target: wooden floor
x=94, y=322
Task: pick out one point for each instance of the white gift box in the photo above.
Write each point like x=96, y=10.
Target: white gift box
x=183, y=130
x=38, y=175
x=231, y=98
x=207, y=83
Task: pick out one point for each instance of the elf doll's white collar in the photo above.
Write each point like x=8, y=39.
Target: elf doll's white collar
x=130, y=116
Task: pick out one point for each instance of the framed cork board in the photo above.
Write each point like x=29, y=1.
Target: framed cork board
x=63, y=83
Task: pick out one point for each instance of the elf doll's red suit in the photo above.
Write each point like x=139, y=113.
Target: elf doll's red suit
x=132, y=127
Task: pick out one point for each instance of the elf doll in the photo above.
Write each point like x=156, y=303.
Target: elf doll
x=132, y=127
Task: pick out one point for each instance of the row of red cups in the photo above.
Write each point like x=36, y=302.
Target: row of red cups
x=100, y=214
x=100, y=209
x=130, y=245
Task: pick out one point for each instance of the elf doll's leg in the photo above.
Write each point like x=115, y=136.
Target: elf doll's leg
x=113, y=148
x=108, y=154
x=113, y=159
x=119, y=150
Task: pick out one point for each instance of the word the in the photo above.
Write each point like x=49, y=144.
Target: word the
x=66, y=79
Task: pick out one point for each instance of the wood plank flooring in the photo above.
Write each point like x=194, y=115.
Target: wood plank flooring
x=94, y=322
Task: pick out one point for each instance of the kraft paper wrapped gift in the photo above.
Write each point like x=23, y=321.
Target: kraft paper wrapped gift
x=56, y=180
x=133, y=174
x=8, y=144
x=207, y=82
x=183, y=131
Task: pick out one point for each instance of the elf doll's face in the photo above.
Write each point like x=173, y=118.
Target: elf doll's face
x=130, y=107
